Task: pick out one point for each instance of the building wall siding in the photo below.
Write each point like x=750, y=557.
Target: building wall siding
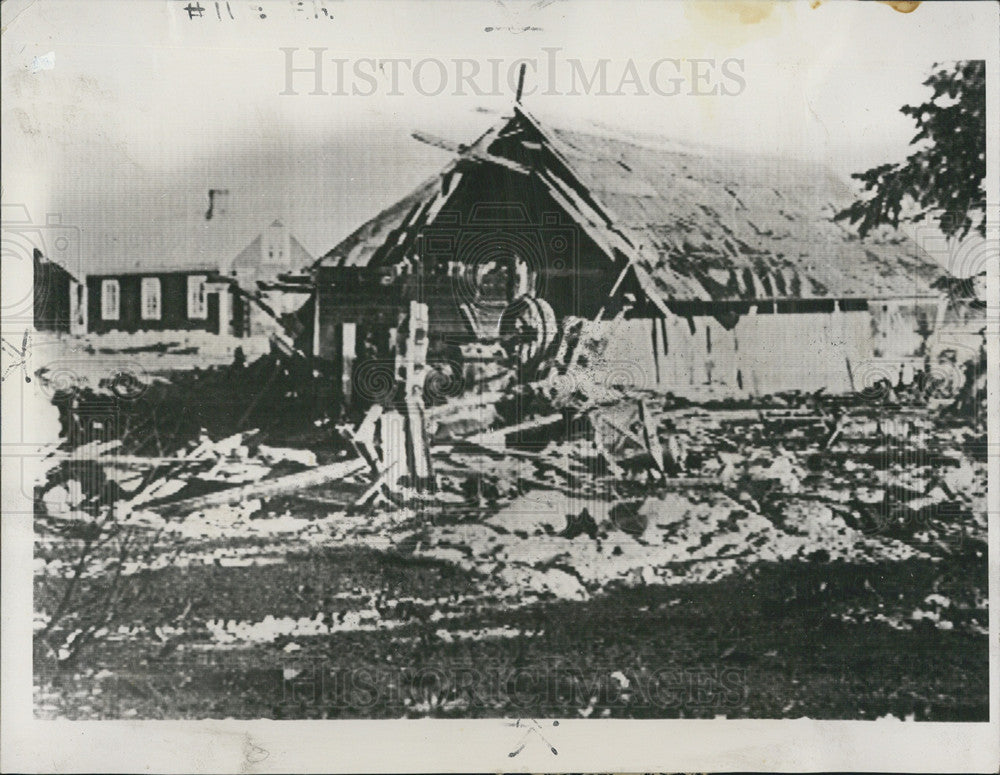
x=173, y=301
x=760, y=355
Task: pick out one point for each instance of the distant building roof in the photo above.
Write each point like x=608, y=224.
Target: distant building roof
x=209, y=245
x=251, y=256
x=41, y=260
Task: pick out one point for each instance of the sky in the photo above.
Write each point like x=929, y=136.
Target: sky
x=119, y=116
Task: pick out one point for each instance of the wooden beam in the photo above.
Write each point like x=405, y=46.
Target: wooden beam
x=500, y=161
x=473, y=153
x=498, y=437
x=265, y=488
x=439, y=142
x=600, y=208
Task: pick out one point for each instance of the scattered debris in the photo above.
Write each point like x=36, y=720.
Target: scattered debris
x=538, y=493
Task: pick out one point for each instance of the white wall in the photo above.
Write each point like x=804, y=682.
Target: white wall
x=766, y=353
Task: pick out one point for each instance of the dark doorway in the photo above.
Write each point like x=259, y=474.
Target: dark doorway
x=213, y=313
x=239, y=311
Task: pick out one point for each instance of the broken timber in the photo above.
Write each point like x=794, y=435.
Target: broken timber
x=265, y=488
x=393, y=441
x=404, y=432
x=653, y=445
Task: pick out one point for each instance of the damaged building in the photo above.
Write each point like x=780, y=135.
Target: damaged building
x=692, y=267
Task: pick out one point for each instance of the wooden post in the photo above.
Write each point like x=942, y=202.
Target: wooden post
x=411, y=371
x=316, y=340
x=348, y=336
x=656, y=351
x=414, y=360
x=394, y=448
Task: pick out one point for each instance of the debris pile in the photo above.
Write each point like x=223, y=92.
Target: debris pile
x=602, y=487
x=614, y=488
x=557, y=492
x=157, y=414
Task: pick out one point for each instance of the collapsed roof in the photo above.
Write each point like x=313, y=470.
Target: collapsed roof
x=694, y=223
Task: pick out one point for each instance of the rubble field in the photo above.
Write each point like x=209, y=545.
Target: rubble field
x=585, y=554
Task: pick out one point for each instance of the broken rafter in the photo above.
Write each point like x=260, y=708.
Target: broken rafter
x=575, y=192
x=512, y=131
x=601, y=209
x=423, y=213
x=601, y=227
x=595, y=219
x=473, y=153
x=601, y=237
x=489, y=158
x=439, y=142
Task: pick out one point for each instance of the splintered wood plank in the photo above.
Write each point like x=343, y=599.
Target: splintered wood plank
x=649, y=435
x=393, y=433
x=266, y=488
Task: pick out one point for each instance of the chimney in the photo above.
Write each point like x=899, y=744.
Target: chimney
x=218, y=203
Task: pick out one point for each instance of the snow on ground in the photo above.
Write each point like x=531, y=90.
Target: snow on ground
x=688, y=540
x=87, y=360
